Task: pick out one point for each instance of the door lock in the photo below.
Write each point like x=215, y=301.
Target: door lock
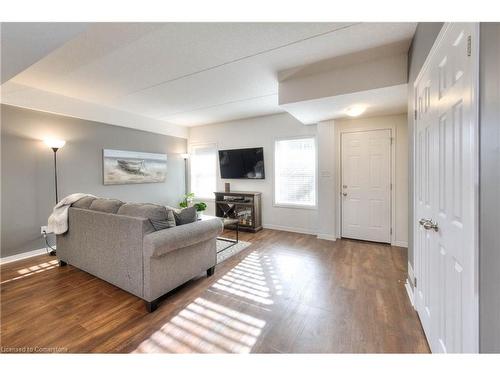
x=423, y=221
x=431, y=225
x=428, y=224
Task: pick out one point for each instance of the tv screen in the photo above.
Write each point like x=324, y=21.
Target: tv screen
x=242, y=163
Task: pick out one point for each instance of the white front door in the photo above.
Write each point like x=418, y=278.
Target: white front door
x=445, y=198
x=366, y=185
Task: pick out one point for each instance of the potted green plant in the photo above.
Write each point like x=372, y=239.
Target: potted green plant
x=188, y=199
x=200, y=207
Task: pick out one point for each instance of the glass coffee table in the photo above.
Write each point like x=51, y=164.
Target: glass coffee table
x=226, y=221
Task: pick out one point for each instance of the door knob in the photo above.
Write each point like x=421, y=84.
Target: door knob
x=344, y=194
x=430, y=225
x=423, y=221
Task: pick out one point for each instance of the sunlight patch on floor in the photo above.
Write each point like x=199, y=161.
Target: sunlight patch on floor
x=32, y=270
x=204, y=326
x=248, y=279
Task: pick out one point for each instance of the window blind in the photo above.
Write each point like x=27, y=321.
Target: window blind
x=295, y=172
x=203, y=168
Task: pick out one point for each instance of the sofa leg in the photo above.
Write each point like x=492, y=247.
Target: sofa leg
x=151, y=306
x=210, y=271
x=62, y=263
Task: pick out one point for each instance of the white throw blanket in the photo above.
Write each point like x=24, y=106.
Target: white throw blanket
x=58, y=220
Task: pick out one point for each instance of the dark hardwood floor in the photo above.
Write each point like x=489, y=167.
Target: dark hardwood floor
x=287, y=292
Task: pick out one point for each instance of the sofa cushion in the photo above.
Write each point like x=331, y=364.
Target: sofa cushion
x=185, y=216
x=159, y=216
x=160, y=243
x=84, y=202
x=110, y=206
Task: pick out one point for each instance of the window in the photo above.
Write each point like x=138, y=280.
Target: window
x=295, y=172
x=203, y=167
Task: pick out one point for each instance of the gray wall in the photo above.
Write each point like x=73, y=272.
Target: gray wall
x=489, y=218
x=27, y=186
x=423, y=40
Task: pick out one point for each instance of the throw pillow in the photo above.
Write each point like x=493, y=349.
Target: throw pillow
x=175, y=210
x=185, y=216
x=110, y=206
x=159, y=217
x=84, y=202
x=168, y=222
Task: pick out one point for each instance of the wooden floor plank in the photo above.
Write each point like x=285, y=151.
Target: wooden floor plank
x=285, y=293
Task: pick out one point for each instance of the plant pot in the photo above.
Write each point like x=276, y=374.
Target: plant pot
x=199, y=215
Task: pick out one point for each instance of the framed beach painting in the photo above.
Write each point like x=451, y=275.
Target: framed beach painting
x=130, y=167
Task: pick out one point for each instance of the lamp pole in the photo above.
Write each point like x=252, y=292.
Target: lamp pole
x=186, y=174
x=55, y=170
x=54, y=144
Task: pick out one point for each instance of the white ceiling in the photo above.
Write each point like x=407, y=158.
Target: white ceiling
x=188, y=74
x=382, y=101
x=25, y=43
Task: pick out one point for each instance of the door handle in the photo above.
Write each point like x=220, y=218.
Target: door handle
x=430, y=225
x=344, y=194
x=423, y=221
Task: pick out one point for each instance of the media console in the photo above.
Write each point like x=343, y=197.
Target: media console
x=242, y=205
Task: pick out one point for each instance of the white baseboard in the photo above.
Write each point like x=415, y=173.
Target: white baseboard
x=399, y=243
x=409, y=291
x=410, y=284
x=289, y=229
x=25, y=255
x=329, y=237
x=411, y=274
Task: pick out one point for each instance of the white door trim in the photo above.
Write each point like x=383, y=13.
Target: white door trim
x=475, y=146
x=338, y=176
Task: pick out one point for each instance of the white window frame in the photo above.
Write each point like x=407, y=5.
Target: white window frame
x=298, y=205
x=191, y=148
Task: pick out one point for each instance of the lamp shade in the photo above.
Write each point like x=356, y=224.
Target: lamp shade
x=55, y=143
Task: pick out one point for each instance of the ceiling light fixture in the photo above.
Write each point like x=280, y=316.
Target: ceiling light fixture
x=355, y=110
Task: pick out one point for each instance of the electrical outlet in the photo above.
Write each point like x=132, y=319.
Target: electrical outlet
x=43, y=229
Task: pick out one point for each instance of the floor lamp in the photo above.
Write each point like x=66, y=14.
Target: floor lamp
x=55, y=144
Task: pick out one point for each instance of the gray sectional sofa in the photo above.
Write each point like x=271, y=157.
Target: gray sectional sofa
x=125, y=245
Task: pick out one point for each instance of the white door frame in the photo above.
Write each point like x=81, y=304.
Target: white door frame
x=338, y=192
x=475, y=137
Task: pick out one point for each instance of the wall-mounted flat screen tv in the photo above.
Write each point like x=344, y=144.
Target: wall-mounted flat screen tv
x=242, y=163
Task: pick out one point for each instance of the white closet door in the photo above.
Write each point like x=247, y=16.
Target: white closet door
x=446, y=176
